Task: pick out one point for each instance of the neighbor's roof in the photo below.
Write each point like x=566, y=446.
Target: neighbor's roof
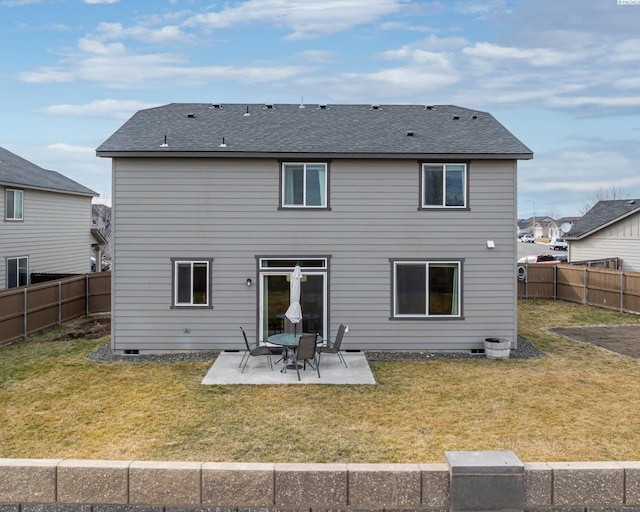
x=18, y=172
x=182, y=129
x=603, y=214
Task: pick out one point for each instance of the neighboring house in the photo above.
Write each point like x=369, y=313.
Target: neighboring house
x=401, y=217
x=46, y=222
x=611, y=229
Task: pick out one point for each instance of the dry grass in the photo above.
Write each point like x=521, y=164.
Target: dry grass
x=580, y=403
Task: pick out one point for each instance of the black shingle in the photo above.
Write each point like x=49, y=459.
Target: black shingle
x=336, y=129
x=18, y=172
x=603, y=213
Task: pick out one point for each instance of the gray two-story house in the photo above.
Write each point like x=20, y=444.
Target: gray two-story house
x=46, y=223
x=400, y=216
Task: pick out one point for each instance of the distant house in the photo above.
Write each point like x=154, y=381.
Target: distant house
x=401, y=217
x=611, y=229
x=46, y=222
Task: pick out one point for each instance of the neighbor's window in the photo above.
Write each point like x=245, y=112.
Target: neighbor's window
x=191, y=282
x=14, y=199
x=444, y=185
x=17, y=272
x=423, y=289
x=304, y=185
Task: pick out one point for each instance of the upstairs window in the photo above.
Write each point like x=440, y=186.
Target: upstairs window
x=304, y=185
x=444, y=185
x=426, y=289
x=13, y=202
x=17, y=272
x=191, y=282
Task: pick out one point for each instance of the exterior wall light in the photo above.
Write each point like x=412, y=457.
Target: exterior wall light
x=491, y=244
x=248, y=281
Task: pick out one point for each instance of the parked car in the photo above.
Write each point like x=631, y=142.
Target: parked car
x=527, y=238
x=562, y=258
x=105, y=264
x=540, y=258
x=558, y=244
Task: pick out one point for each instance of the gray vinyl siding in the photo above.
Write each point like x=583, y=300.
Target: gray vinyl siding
x=227, y=210
x=620, y=240
x=55, y=233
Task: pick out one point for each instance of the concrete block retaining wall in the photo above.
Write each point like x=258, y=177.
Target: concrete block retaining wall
x=30, y=485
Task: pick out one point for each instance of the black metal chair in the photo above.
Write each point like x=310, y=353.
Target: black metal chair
x=333, y=347
x=306, y=353
x=255, y=350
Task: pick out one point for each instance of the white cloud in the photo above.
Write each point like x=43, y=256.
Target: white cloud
x=534, y=56
x=98, y=48
x=69, y=148
x=108, y=108
x=152, y=70
x=307, y=20
x=101, y=1
x=166, y=34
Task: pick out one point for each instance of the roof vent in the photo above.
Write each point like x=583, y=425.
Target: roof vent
x=269, y=106
x=375, y=107
x=223, y=144
x=191, y=116
x=474, y=116
x=247, y=114
x=409, y=133
x=164, y=144
x=323, y=106
x=430, y=107
x=455, y=118
x=633, y=201
x=216, y=105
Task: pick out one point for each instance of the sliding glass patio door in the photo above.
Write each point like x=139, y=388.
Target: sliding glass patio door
x=274, y=297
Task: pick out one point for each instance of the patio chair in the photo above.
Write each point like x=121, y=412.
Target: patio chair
x=255, y=350
x=305, y=353
x=333, y=347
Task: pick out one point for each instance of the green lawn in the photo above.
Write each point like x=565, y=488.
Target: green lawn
x=580, y=403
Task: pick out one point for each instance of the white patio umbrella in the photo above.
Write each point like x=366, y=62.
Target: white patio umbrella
x=294, y=313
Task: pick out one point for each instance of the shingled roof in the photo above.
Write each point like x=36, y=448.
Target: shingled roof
x=603, y=214
x=391, y=131
x=18, y=172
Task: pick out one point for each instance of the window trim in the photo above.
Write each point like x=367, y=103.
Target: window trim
x=423, y=206
x=6, y=204
x=426, y=261
x=17, y=258
x=327, y=181
x=174, y=283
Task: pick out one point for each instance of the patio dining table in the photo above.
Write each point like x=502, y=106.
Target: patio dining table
x=290, y=341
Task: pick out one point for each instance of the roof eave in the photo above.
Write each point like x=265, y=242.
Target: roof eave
x=266, y=154
x=49, y=189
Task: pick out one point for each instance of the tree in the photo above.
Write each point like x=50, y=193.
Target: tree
x=604, y=194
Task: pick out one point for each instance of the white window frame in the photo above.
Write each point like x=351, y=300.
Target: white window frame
x=17, y=276
x=283, y=191
x=444, y=167
x=15, y=193
x=176, y=262
x=394, y=311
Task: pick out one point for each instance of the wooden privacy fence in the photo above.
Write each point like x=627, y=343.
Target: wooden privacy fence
x=602, y=287
x=28, y=309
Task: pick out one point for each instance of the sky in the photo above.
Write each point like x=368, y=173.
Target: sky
x=562, y=75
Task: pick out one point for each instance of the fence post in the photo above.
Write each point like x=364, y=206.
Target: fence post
x=584, y=286
x=555, y=282
x=621, y=291
x=25, y=312
x=59, y=302
x=86, y=295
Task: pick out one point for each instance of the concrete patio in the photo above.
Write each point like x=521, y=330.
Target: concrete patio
x=225, y=370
